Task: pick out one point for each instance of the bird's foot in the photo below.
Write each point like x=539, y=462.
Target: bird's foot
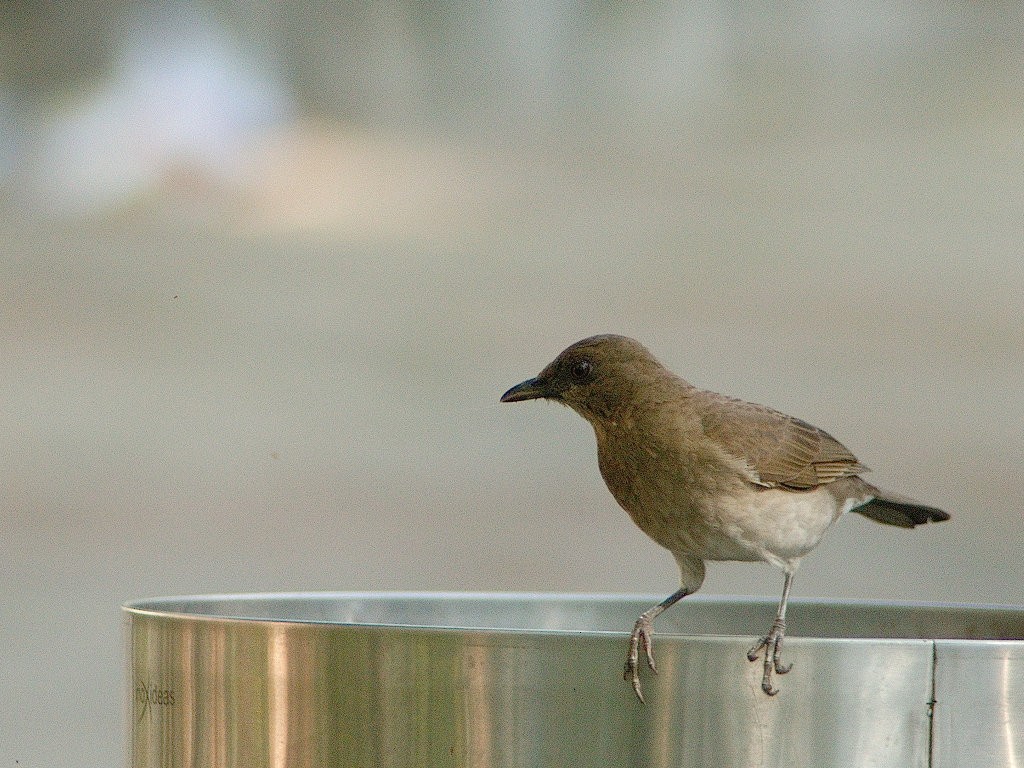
x=641, y=636
x=772, y=645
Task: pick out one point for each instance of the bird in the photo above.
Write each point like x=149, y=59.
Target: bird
x=710, y=477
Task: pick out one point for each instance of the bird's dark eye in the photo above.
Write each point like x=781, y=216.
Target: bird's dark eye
x=582, y=369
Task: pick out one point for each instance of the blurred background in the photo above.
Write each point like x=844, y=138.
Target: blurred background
x=267, y=267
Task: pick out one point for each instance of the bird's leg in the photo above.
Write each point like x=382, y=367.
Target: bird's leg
x=642, y=636
x=772, y=643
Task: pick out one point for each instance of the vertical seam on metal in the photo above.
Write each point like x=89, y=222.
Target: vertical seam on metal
x=931, y=706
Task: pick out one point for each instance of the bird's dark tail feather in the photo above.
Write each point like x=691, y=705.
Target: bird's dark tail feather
x=892, y=509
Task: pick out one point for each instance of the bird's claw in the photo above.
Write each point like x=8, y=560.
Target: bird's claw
x=772, y=645
x=641, y=636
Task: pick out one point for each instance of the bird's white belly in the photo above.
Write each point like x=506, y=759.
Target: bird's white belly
x=773, y=525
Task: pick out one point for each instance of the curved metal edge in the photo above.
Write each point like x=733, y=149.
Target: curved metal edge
x=178, y=608
x=152, y=605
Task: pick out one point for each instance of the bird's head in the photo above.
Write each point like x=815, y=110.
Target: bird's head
x=596, y=377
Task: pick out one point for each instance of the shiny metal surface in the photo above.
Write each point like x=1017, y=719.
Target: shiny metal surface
x=535, y=680
x=979, y=715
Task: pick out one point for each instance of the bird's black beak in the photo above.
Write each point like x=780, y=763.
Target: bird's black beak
x=531, y=389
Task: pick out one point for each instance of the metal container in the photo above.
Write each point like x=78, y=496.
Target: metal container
x=484, y=680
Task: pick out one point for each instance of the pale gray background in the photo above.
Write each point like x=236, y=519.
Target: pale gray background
x=265, y=273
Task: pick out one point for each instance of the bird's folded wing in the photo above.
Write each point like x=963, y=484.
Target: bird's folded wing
x=779, y=450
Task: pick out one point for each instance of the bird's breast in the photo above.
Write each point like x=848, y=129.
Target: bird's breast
x=664, y=486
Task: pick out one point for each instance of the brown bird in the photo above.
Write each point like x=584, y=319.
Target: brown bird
x=710, y=477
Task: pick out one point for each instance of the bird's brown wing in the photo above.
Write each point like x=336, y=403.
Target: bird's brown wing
x=780, y=451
